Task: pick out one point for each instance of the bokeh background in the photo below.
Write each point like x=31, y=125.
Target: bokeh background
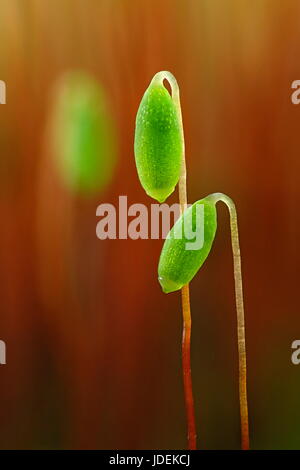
x=93, y=345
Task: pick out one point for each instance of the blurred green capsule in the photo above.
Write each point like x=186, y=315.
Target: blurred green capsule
x=158, y=144
x=187, y=245
x=83, y=134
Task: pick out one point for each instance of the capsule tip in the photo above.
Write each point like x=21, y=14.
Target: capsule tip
x=160, y=195
x=167, y=285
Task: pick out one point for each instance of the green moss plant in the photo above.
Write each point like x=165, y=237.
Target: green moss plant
x=160, y=161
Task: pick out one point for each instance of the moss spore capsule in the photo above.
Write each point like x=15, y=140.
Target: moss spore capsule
x=182, y=256
x=158, y=142
x=82, y=134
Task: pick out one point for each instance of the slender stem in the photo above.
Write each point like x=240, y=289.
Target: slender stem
x=185, y=291
x=240, y=315
x=186, y=366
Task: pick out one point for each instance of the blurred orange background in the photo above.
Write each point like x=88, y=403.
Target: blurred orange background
x=93, y=345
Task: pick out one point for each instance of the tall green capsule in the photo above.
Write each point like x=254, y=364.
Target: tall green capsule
x=158, y=144
x=82, y=134
x=187, y=245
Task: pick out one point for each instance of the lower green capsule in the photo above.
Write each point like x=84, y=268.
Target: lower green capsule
x=187, y=245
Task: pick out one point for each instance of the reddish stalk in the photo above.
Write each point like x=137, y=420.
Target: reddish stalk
x=186, y=366
x=185, y=293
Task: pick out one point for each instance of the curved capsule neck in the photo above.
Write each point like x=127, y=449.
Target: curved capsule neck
x=216, y=197
x=159, y=78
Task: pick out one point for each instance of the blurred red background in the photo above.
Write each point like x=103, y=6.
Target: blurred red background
x=93, y=345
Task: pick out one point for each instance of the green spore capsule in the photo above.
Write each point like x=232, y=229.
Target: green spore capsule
x=187, y=245
x=83, y=135
x=158, y=144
